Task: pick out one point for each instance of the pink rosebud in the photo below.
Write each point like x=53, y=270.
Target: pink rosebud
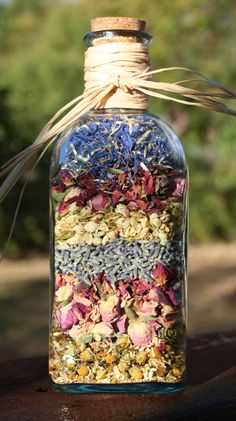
x=109, y=308
x=141, y=333
x=121, y=324
x=68, y=315
x=179, y=187
x=100, y=202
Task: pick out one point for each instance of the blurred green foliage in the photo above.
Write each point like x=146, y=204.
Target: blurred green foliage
x=41, y=67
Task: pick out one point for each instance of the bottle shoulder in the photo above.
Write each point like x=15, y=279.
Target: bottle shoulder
x=119, y=140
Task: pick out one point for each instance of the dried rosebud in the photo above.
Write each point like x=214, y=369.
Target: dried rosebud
x=140, y=332
x=109, y=308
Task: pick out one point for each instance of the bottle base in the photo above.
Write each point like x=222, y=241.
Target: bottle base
x=119, y=388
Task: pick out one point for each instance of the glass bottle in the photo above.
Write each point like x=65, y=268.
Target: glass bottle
x=118, y=188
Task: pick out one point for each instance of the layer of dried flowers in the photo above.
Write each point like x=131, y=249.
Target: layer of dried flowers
x=122, y=330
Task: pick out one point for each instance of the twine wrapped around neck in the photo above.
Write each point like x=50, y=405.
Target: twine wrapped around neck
x=117, y=75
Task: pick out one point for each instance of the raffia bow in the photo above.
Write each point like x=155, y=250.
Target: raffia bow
x=96, y=94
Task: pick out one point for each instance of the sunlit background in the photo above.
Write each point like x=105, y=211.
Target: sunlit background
x=41, y=67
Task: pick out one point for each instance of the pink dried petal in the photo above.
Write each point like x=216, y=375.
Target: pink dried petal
x=66, y=178
x=103, y=329
x=109, y=308
x=121, y=324
x=152, y=294
x=162, y=272
x=116, y=195
x=89, y=188
x=59, y=281
x=63, y=208
x=59, y=188
x=73, y=193
x=130, y=195
x=142, y=204
x=171, y=293
x=149, y=183
x=68, y=315
x=154, y=324
x=179, y=187
x=160, y=347
x=133, y=205
x=100, y=202
x=140, y=286
x=106, y=286
x=159, y=206
x=123, y=289
x=143, y=307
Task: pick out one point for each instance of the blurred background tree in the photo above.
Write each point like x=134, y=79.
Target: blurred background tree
x=41, y=66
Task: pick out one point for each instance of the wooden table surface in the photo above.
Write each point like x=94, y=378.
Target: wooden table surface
x=210, y=393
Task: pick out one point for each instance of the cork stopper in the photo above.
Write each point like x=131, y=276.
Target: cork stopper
x=118, y=23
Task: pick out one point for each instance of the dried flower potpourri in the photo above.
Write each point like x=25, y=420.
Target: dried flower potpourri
x=119, y=203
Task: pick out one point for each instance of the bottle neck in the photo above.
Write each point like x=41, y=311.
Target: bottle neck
x=111, y=60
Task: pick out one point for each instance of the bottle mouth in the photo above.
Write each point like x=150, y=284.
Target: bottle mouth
x=140, y=36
